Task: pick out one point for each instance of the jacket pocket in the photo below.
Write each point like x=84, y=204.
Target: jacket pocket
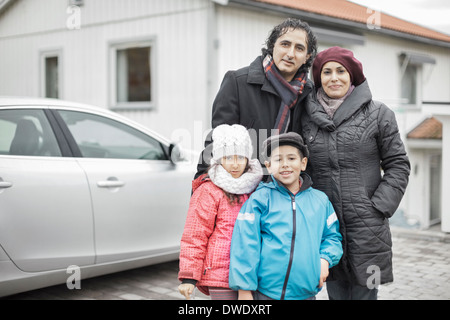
x=376, y=213
x=209, y=258
x=371, y=211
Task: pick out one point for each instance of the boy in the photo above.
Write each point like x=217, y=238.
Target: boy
x=286, y=235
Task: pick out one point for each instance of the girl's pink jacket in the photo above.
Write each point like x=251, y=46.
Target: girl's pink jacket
x=205, y=244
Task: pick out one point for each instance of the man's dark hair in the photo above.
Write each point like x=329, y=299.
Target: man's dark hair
x=293, y=24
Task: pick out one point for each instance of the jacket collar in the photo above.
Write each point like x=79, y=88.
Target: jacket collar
x=275, y=184
x=360, y=96
x=256, y=75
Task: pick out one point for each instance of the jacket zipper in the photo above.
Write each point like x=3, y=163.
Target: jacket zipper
x=291, y=255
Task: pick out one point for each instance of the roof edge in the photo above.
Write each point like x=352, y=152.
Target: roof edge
x=429, y=128
x=311, y=17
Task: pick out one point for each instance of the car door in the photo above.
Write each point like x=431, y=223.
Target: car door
x=139, y=196
x=45, y=208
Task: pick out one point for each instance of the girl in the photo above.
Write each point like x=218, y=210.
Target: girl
x=217, y=198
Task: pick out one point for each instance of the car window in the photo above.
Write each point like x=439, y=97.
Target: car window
x=101, y=137
x=26, y=132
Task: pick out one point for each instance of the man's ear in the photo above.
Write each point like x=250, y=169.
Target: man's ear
x=307, y=57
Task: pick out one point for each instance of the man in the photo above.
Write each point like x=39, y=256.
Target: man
x=267, y=96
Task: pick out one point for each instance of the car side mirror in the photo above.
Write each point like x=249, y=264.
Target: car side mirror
x=175, y=153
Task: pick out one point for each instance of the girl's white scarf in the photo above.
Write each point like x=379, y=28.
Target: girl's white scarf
x=246, y=183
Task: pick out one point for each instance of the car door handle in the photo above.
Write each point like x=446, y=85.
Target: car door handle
x=110, y=184
x=5, y=184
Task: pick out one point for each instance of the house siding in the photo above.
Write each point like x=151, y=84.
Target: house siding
x=177, y=27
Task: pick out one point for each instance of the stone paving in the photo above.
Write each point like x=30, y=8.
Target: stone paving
x=421, y=272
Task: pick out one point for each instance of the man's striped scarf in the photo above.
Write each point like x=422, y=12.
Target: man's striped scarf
x=288, y=91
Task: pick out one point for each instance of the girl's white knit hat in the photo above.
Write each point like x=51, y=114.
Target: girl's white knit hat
x=231, y=140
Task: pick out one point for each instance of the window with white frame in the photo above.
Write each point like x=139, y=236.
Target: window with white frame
x=132, y=73
x=409, y=85
x=411, y=68
x=51, y=74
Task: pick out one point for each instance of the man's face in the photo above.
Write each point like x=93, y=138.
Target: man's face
x=290, y=52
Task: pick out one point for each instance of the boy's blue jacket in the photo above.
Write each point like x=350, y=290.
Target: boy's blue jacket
x=279, y=238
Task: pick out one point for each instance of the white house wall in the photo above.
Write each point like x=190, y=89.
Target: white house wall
x=178, y=28
x=242, y=34
x=381, y=65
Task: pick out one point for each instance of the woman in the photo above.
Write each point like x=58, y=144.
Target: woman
x=358, y=159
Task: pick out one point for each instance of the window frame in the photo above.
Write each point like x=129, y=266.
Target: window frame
x=49, y=126
x=418, y=61
x=417, y=69
x=115, y=46
x=74, y=146
x=43, y=55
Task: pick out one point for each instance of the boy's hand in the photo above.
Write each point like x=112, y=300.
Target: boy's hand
x=323, y=271
x=245, y=295
x=186, y=289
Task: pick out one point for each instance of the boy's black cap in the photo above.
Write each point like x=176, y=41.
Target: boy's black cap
x=289, y=138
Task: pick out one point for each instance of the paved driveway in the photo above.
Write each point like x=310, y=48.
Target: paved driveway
x=421, y=271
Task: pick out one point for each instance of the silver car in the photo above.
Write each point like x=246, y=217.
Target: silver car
x=82, y=187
